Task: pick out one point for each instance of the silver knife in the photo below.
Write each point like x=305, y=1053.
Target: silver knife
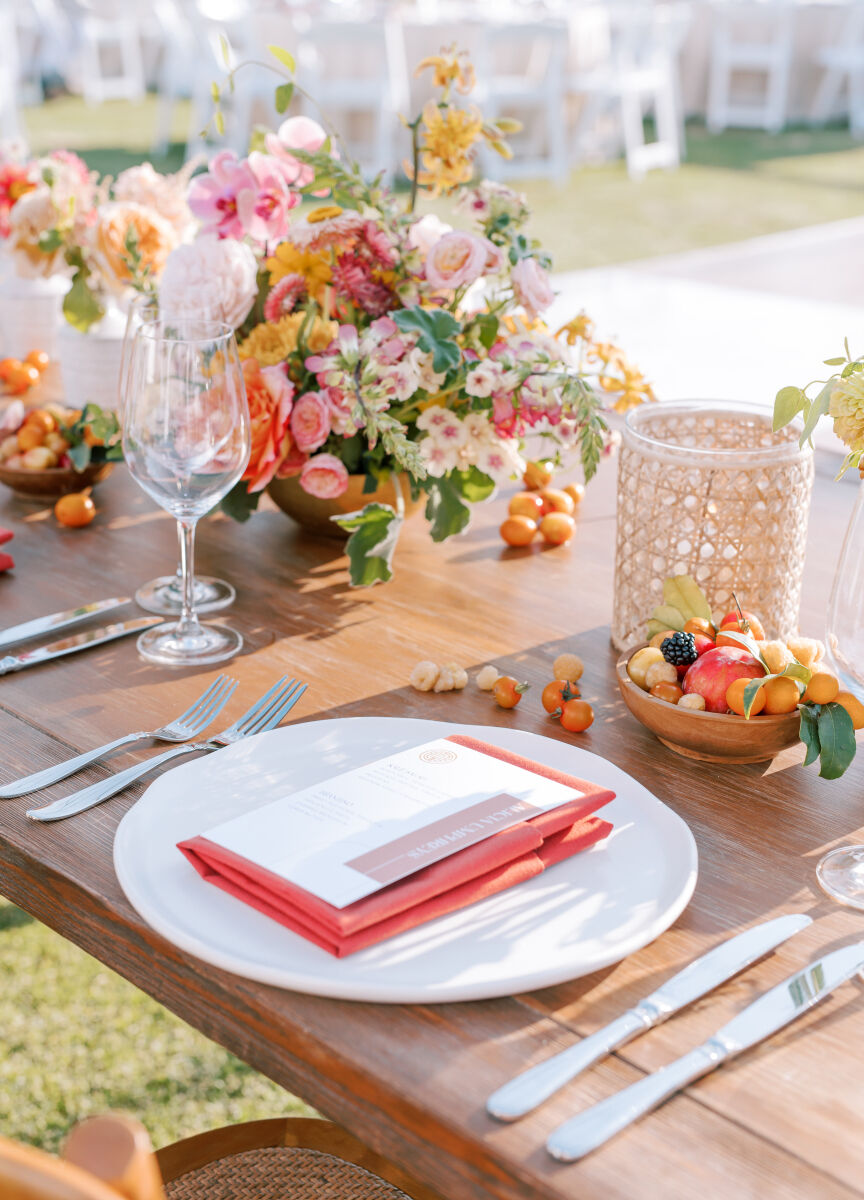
x=537, y=1084
x=759, y=1020
x=79, y=641
x=58, y=620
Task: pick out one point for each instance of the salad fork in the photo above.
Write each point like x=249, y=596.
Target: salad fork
x=265, y=714
x=188, y=725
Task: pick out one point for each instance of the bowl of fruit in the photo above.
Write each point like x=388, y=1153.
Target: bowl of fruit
x=51, y=451
x=717, y=689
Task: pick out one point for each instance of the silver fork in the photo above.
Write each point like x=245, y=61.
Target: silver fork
x=265, y=714
x=190, y=723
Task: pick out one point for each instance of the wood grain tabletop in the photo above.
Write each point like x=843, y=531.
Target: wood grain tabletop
x=783, y=1120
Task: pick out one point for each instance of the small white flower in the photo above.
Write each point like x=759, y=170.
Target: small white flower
x=482, y=380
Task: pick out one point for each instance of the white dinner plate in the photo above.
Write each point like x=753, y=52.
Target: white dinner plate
x=583, y=914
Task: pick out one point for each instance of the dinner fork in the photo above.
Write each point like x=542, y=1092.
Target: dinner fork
x=264, y=714
x=190, y=723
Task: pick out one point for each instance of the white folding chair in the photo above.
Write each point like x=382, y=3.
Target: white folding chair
x=521, y=73
x=843, y=63
x=753, y=37
x=10, y=121
x=638, y=76
x=357, y=74
x=111, y=63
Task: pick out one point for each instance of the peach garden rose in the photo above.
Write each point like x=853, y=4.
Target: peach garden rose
x=324, y=476
x=270, y=395
x=310, y=422
x=456, y=260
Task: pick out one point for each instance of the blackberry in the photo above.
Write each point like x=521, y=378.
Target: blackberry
x=679, y=649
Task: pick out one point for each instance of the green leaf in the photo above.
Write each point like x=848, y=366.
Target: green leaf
x=747, y=642
x=445, y=510
x=81, y=308
x=226, y=50
x=240, y=503
x=370, y=484
x=103, y=425
x=787, y=404
x=837, y=740
x=810, y=732
x=79, y=456
x=49, y=241
x=220, y=123
x=817, y=409
x=214, y=92
x=437, y=330
x=284, y=57
x=374, y=533
x=487, y=326
x=284, y=92
x=834, y=362
x=472, y=484
x=751, y=691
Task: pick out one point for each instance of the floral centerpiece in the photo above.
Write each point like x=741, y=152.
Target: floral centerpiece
x=840, y=398
x=110, y=238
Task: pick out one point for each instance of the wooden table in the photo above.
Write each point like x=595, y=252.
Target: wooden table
x=785, y=1120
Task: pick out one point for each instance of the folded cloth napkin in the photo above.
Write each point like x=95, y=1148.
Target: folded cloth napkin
x=515, y=854
x=6, y=560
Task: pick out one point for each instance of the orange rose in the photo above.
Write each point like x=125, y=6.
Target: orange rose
x=270, y=396
x=155, y=238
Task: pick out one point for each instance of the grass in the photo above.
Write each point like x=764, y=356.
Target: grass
x=739, y=184
x=74, y=1037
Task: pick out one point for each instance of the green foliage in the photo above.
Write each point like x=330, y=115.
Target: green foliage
x=829, y=735
x=283, y=56
x=374, y=533
x=437, y=331
x=81, y=306
x=240, y=503
x=50, y=240
x=446, y=512
x=100, y=424
x=472, y=484
x=487, y=325
x=283, y=96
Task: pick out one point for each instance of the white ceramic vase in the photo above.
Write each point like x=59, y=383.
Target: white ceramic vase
x=30, y=313
x=90, y=362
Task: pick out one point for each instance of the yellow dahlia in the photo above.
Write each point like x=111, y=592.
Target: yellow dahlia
x=288, y=260
x=274, y=341
x=846, y=406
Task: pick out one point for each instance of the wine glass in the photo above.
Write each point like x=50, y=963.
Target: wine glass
x=841, y=871
x=186, y=440
x=164, y=595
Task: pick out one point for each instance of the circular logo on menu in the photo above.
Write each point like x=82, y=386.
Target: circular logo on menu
x=438, y=756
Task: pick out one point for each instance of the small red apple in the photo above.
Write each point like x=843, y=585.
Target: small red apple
x=753, y=625
x=712, y=673
x=703, y=643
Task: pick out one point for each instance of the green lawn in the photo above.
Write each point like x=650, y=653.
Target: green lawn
x=736, y=185
x=74, y=1037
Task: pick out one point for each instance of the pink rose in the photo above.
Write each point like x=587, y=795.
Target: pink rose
x=297, y=133
x=456, y=260
x=424, y=233
x=324, y=476
x=531, y=286
x=310, y=422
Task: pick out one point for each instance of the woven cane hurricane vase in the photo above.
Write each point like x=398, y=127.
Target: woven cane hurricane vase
x=708, y=489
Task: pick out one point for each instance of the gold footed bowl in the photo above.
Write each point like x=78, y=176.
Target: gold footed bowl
x=313, y=514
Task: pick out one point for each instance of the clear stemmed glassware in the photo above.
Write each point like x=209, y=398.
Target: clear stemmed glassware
x=186, y=440
x=841, y=871
x=164, y=595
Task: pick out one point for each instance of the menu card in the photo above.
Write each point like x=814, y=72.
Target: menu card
x=357, y=832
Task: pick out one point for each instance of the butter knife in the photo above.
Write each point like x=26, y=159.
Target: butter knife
x=79, y=641
x=794, y=996
x=58, y=620
x=537, y=1084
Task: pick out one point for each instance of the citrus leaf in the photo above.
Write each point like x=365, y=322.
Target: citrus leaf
x=796, y=670
x=284, y=92
x=810, y=732
x=751, y=691
x=836, y=739
x=747, y=642
x=284, y=57
x=787, y=404
x=374, y=532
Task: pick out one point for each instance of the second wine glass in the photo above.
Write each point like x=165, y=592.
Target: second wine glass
x=186, y=441
x=164, y=595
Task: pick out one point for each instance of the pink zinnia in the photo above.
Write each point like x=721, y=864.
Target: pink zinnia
x=283, y=296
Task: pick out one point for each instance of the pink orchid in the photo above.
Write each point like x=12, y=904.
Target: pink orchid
x=263, y=212
x=297, y=133
x=214, y=196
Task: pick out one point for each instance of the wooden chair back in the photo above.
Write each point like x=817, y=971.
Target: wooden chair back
x=106, y=1158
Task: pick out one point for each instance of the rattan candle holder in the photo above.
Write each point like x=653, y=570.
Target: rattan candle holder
x=708, y=489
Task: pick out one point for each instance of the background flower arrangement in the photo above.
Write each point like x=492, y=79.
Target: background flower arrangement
x=840, y=397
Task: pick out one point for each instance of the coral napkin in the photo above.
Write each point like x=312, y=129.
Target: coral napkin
x=515, y=854
x=6, y=560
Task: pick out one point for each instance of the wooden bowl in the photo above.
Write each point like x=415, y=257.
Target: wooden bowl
x=711, y=737
x=54, y=481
